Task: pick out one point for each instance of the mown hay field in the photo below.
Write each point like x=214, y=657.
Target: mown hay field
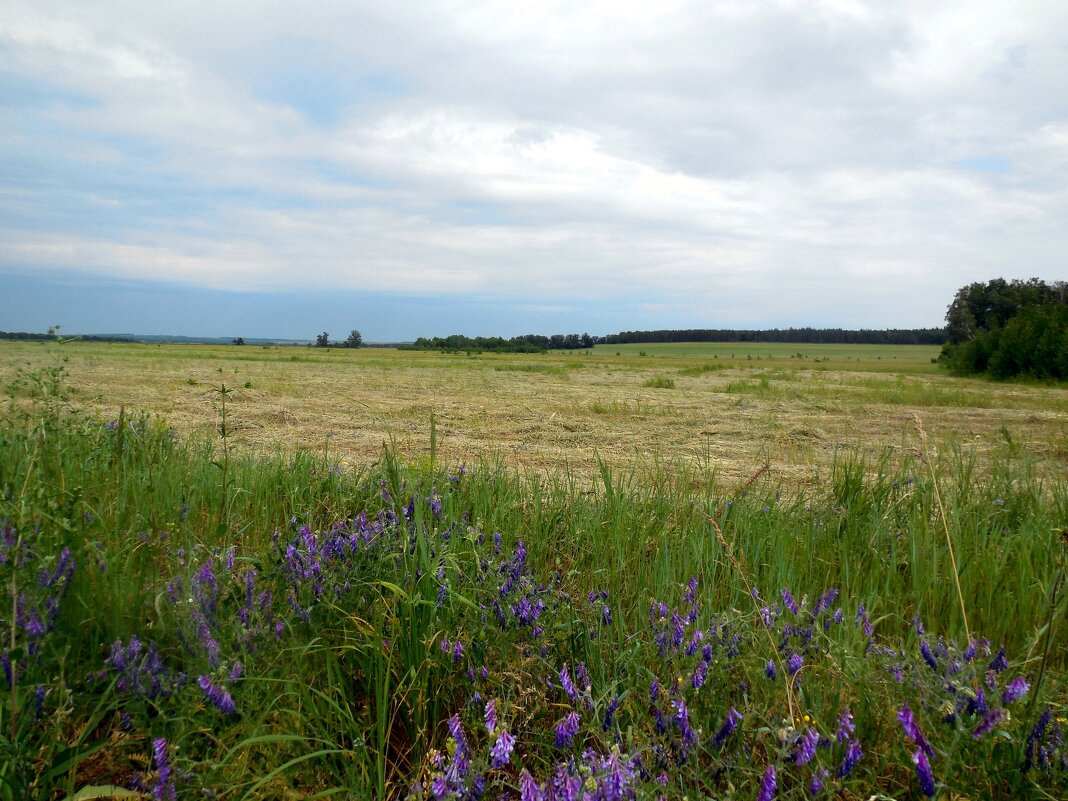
x=728, y=407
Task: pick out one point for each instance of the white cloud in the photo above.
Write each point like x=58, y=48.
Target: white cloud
x=790, y=152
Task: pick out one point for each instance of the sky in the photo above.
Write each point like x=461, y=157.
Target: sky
x=277, y=169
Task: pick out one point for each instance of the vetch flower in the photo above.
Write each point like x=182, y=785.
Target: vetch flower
x=806, y=750
x=788, y=601
x=164, y=786
x=999, y=662
x=845, y=725
x=815, y=786
x=609, y=713
x=566, y=683
x=768, y=785
x=502, y=749
x=528, y=788
x=912, y=730
x=734, y=717
x=1015, y=690
x=566, y=730
x=987, y=724
x=795, y=663
x=218, y=696
x=852, y=756
x=923, y=772
x=491, y=715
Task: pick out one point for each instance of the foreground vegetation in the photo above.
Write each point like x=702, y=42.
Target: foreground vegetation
x=185, y=620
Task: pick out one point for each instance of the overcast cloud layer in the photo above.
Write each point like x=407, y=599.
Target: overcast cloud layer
x=666, y=164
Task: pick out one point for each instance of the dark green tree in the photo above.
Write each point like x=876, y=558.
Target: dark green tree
x=322, y=340
x=1009, y=328
x=355, y=339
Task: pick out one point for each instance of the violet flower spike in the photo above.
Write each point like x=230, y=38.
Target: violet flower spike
x=912, y=731
x=852, y=756
x=502, y=749
x=566, y=730
x=1015, y=690
x=491, y=715
x=846, y=727
x=806, y=751
x=788, y=601
x=734, y=717
x=987, y=724
x=768, y=785
x=164, y=787
x=218, y=696
x=923, y=772
x=815, y=787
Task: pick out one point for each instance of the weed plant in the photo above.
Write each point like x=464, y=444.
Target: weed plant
x=183, y=621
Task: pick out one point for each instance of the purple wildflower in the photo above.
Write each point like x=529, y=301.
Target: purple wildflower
x=164, y=786
x=987, y=724
x=502, y=749
x=691, y=589
x=788, y=601
x=491, y=715
x=566, y=683
x=218, y=696
x=912, y=730
x=734, y=717
x=768, y=785
x=928, y=657
x=923, y=772
x=457, y=652
x=1035, y=740
x=582, y=677
x=795, y=663
x=699, y=674
x=456, y=730
x=846, y=726
x=999, y=662
x=528, y=788
x=815, y=786
x=863, y=619
x=1016, y=689
x=806, y=750
x=852, y=756
x=825, y=601
x=610, y=713
x=682, y=720
x=566, y=730
x=769, y=669
x=654, y=689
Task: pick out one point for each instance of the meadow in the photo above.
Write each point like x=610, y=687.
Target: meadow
x=662, y=571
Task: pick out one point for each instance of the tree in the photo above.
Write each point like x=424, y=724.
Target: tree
x=322, y=340
x=355, y=339
x=239, y=341
x=1006, y=329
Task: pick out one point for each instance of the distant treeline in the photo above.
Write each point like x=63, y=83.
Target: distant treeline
x=821, y=336
x=527, y=343
x=538, y=343
x=32, y=337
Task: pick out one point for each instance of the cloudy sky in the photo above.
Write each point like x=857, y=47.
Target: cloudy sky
x=278, y=168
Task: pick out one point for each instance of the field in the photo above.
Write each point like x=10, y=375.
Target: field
x=678, y=571
x=727, y=408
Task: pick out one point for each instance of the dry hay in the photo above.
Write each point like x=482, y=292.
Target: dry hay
x=547, y=412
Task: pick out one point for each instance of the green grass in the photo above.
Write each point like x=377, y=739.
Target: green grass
x=350, y=695
x=876, y=358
